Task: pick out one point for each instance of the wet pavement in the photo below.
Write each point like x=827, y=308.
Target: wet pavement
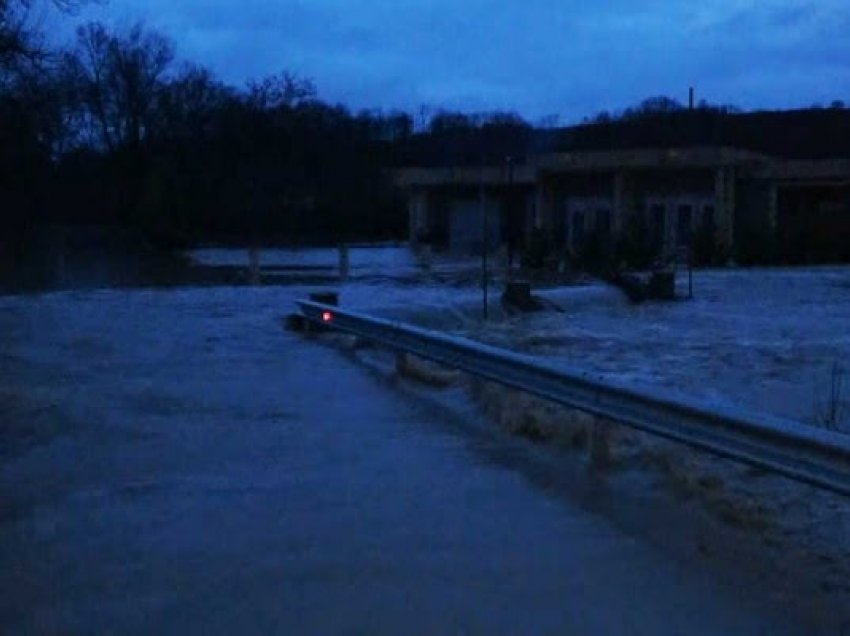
x=175, y=462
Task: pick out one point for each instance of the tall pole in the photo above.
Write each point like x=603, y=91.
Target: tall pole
x=509, y=212
x=690, y=273
x=484, y=274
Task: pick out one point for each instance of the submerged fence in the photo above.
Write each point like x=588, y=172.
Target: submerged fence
x=802, y=452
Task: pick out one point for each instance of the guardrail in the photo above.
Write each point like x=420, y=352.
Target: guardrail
x=802, y=452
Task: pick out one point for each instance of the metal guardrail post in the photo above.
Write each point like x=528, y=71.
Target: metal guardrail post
x=344, y=262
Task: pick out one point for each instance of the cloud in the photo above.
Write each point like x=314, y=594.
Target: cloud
x=537, y=57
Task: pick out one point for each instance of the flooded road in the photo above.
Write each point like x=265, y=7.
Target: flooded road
x=173, y=461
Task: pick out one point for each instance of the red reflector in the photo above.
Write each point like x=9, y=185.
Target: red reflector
x=327, y=316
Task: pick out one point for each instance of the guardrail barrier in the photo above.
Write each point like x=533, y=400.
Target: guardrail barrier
x=800, y=451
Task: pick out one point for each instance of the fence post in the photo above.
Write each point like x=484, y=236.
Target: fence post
x=254, y=265
x=344, y=263
x=691, y=273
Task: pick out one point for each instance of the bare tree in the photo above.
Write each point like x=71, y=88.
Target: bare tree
x=118, y=81
x=190, y=102
x=19, y=28
x=283, y=89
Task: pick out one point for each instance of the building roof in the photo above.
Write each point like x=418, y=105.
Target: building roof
x=747, y=163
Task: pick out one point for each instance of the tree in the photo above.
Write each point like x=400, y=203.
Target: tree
x=652, y=106
x=282, y=90
x=602, y=117
x=190, y=103
x=118, y=82
x=32, y=114
x=446, y=121
x=19, y=37
x=548, y=122
x=392, y=127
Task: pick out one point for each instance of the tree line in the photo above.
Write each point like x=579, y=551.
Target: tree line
x=114, y=131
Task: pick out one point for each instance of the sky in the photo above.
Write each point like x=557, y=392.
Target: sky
x=540, y=58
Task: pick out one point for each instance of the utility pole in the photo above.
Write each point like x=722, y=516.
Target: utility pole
x=509, y=213
x=484, y=274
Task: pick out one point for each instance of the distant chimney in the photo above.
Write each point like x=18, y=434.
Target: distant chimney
x=691, y=98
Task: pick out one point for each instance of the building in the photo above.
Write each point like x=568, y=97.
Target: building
x=720, y=203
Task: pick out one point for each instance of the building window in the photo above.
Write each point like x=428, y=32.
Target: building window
x=706, y=225
x=577, y=228
x=684, y=225
x=603, y=221
x=658, y=224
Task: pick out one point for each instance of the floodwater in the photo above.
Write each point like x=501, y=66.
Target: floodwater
x=93, y=259
x=770, y=340
x=173, y=461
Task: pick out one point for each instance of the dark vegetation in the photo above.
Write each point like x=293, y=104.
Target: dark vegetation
x=811, y=133
x=115, y=132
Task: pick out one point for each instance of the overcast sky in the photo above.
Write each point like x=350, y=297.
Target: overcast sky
x=537, y=57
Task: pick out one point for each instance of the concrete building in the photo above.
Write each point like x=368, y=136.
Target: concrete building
x=748, y=206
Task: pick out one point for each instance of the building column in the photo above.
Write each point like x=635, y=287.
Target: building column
x=490, y=205
x=724, y=209
x=623, y=202
x=529, y=214
x=542, y=206
x=773, y=207
x=417, y=209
